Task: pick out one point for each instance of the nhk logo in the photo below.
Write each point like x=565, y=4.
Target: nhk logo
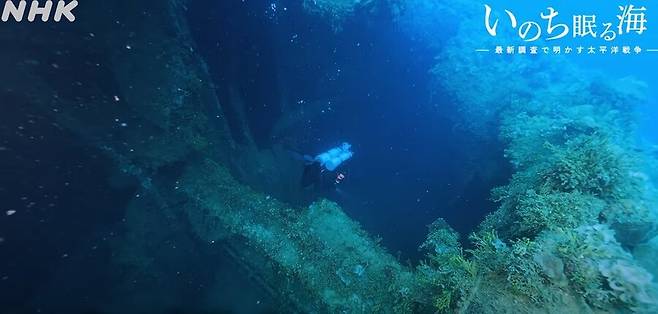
x=17, y=10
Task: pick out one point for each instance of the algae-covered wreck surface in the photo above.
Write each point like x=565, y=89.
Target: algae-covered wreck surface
x=152, y=154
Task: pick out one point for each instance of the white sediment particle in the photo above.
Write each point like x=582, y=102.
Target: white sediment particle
x=10, y=212
x=116, y=98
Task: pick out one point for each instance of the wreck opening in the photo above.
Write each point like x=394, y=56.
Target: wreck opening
x=283, y=89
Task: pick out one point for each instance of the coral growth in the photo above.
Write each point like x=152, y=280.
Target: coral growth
x=446, y=277
x=570, y=138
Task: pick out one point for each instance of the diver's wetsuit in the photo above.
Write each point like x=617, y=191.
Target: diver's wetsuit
x=321, y=174
x=314, y=176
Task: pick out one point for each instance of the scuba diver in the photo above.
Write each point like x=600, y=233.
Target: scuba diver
x=321, y=172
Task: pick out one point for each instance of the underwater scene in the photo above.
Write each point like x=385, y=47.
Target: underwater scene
x=328, y=156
